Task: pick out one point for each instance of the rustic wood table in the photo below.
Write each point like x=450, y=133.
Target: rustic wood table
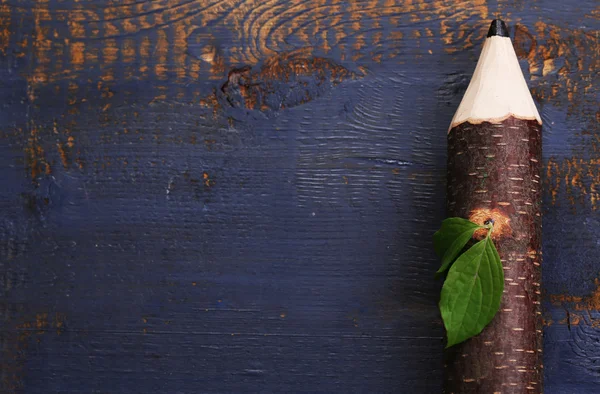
x=226, y=196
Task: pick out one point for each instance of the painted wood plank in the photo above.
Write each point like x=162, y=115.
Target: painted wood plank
x=230, y=196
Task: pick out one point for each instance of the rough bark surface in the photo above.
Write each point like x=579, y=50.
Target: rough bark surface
x=494, y=173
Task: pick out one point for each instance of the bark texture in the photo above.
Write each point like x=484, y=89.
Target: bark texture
x=494, y=173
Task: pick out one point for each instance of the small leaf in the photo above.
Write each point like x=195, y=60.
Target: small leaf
x=451, y=238
x=472, y=292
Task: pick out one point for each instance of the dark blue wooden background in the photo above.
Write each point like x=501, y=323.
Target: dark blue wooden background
x=226, y=196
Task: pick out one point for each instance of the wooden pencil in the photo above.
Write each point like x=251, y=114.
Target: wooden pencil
x=494, y=157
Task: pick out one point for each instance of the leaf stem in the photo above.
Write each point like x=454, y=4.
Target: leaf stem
x=490, y=226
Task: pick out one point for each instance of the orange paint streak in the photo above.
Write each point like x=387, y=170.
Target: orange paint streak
x=211, y=102
x=359, y=42
x=142, y=21
x=482, y=8
x=217, y=69
x=160, y=97
x=77, y=50
x=144, y=54
x=42, y=44
x=194, y=69
x=110, y=51
x=35, y=156
x=180, y=50
x=552, y=173
x=108, y=76
x=5, y=28
x=129, y=46
x=325, y=46
x=91, y=55
x=159, y=19
x=63, y=155
x=118, y=10
x=75, y=23
x=455, y=32
x=525, y=46
x=129, y=26
x=161, y=50
x=578, y=180
x=110, y=29
x=565, y=61
x=588, y=303
x=18, y=339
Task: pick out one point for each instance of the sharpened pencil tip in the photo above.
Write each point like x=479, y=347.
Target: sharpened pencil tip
x=498, y=28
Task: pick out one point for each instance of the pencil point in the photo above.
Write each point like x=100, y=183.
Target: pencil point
x=498, y=89
x=498, y=28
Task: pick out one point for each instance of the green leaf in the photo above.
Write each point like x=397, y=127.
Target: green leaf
x=472, y=292
x=451, y=238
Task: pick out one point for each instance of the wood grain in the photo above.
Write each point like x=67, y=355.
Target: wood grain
x=171, y=223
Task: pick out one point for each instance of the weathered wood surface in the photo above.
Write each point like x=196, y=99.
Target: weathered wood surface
x=239, y=196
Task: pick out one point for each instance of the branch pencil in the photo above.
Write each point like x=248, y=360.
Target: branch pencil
x=494, y=156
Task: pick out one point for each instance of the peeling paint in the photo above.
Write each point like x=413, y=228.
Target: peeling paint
x=35, y=155
x=5, y=27
x=304, y=78
x=20, y=339
x=587, y=303
x=563, y=64
x=575, y=179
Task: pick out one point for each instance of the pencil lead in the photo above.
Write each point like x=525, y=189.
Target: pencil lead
x=498, y=28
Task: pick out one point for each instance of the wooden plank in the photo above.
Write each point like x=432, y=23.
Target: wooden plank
x=229, y=196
